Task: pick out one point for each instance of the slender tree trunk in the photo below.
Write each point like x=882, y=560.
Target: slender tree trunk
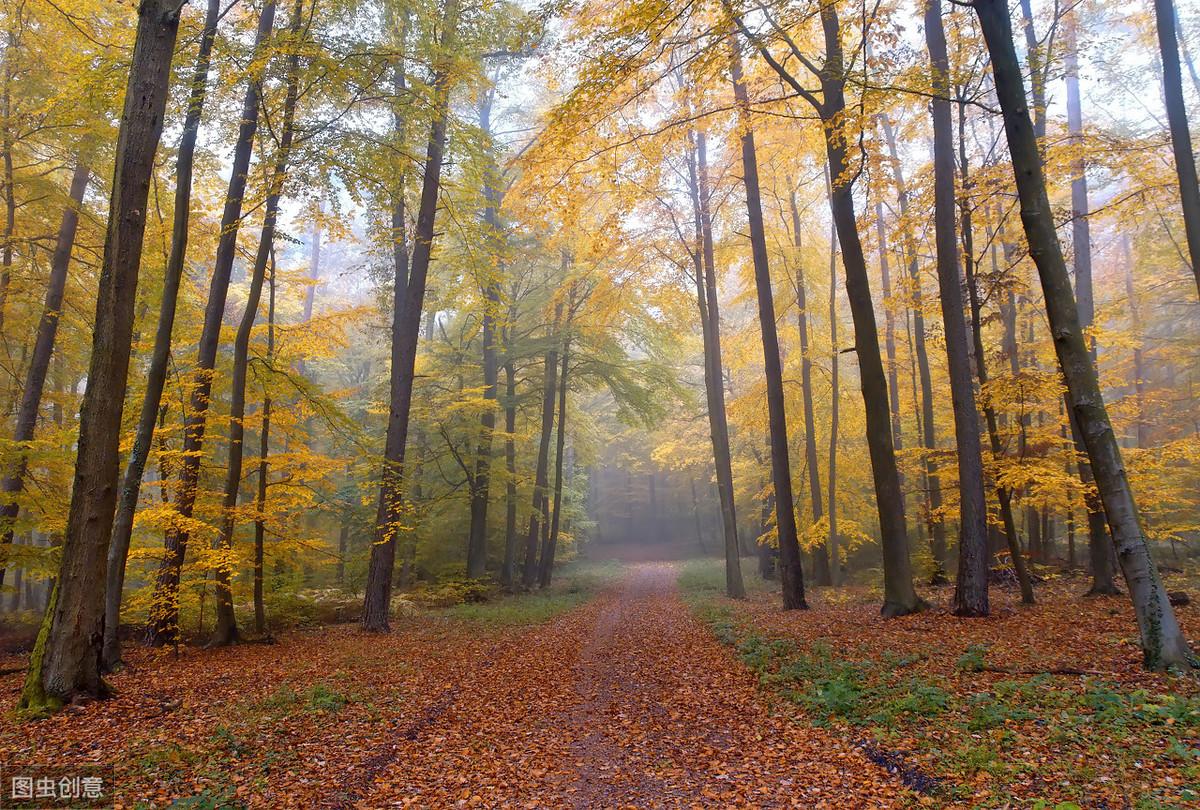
x=481, y=481
x=508, y=572
x=537, y=515
x=264, y=452
x=1135, y=323
x=1163, y=643
x=834, y=395
x=43, y=349
x=156, y=374
x=226, y=631
x=1101, y=549
x=164, y=611
x=1181, y=139
x=547, y=565
x=714, y=379
x=11, y=47
x=822, y=574
x=791, y=576
x=66, y=658
x=696, y=515
x=971, y=585
x=934, y=523
x=889, y=328
x=406, y=324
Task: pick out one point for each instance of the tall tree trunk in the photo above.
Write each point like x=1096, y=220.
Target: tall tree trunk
x=714, y=375
x=508, y=571
x=899, y=595
x=934, y=523
x=537, y=515
x=1135, y=323
x=12, y=46
x=1163, y=643
x=493, y=267
x=834, y=394
x=822, y=573
x=406, y=324
x=156, y=374
x=66, y=658
x=971, y=585
x=264, y=452
x=226, y=631
x=1181, y=138
x=790, y=574
x=43, y=349
x=547, y=563
x=889, y=328
x=164, y=611
x=1101, y=548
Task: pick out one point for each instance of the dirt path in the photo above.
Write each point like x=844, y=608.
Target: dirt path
x=627, y=702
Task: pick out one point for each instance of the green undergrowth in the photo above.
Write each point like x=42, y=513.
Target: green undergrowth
x=573, y=584
x=1020, y=741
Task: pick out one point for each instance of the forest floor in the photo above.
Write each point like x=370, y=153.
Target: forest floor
x=1042, y=706
x=625, y=700
x=632, y=691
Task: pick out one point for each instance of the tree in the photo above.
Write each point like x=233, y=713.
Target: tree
x=1163, y=643
x=406, y=325
x=156, y=374
x=66, y=658
x=1181, y=138
x=163, y=627
x=971, y=585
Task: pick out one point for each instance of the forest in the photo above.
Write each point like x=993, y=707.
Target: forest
x=562, y=403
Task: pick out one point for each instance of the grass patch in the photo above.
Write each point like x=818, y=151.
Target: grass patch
x=705, y=577
x=963, y=728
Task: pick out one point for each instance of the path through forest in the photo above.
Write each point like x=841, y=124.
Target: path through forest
x=629, y=702
x=624, y=701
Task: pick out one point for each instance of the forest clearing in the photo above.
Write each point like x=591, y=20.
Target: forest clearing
x=599, y=403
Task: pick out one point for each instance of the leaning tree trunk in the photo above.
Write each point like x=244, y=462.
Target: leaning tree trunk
x=822, y=575
x=406, y=325
x=156, y=374
x=971, y=585
x=714, y=379
x=164, y=610
x=933, y=499
x=546, y=569
x=1099, y=544
x=791, y=575
x=537, y=515
x=1163, y=643
x=1181, y=139
x=66, y=657
x=226, y=631
x=43, y=348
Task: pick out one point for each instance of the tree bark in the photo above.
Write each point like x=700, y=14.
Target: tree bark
x=934, y=524
x=493, y=267
x=971, y=585
x=1163, y=643
x=66, y=657
x=1181, y=139
x=164, y=612
x=508, y=571
x=156, y=374
x=714, y=375
x=43, y=349
x=226, y=631
x=264, y=452
x=406, y=324
x=822, y=574
x=790, y=573
x=537, y=515
x=546, y=570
